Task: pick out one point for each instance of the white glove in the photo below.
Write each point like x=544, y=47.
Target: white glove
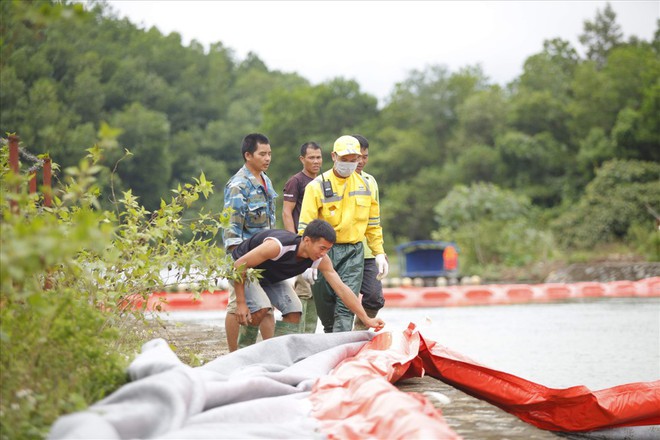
x=383, y=266
x=310, y=275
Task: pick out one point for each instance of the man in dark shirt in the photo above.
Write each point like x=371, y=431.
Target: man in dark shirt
x=282, y=255
x=294, y=189
x=311, y=158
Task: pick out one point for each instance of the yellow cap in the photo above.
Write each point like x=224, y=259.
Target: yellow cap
x=346, y=145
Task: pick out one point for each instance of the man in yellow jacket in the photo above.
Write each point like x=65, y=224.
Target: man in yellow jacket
x=343, y=198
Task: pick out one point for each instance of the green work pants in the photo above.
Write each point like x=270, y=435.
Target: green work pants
x=309, y=319
x=348, y=260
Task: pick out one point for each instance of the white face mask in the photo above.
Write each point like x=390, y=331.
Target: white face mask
x=345, y=169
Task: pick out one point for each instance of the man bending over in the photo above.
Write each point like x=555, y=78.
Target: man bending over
x=281, y=255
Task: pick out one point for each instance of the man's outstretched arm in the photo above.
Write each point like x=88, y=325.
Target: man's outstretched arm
x=346, y=295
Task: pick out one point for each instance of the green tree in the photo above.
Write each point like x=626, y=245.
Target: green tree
x=13, y=111
x=541, y=94
x=647, y=134
x=340, y=106
x=534, y=166
x=86, y=96
x=49, y=125
x=290, y=118
x=146, y=134
x=70, y=277
x=184, y=152
x=214, y=83
x=633, y=69
x=318, y=113
x=601, y=35
x=403, y=154
x=428, y=101
x=620, y=100
x=248, y=113
x=478, y=163
x=407, y=207
x=131, y=83
x=594, y=103
x=492, y=226
x=481, y=118
x=617, y=198
x=594, y=150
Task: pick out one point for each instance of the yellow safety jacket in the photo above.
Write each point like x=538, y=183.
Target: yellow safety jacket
x=373, y=186
x=348, y=205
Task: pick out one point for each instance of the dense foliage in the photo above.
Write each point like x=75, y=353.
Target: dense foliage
x=70, y=276
x=564, y=157
x=182, y=110
x=494, y=227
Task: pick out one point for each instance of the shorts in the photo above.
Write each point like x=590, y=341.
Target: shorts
x=372, y=288
x=257, y=296
x=231, y=304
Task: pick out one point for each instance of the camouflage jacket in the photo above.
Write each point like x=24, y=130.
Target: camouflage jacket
x=253, y=206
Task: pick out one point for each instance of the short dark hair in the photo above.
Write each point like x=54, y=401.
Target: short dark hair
x=320, y=229
x=250, y=143
x=364, y=143
x=307, y=145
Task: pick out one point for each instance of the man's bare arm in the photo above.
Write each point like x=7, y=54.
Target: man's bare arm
x=287, y=216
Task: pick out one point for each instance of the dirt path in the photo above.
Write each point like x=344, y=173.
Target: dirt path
x=195, y=344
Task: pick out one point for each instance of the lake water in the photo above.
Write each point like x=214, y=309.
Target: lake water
x=598, y=343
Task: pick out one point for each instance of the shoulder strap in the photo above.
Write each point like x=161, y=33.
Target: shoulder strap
x=364, y=180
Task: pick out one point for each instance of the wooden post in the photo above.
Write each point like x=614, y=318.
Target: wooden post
x=13, y=153
x=47, y=183
x=14, y=166
x=33, y=183
x=48, y=282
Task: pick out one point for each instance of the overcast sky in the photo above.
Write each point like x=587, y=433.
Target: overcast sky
x=377, y=43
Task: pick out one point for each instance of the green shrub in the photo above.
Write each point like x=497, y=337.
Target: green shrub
x=645, y=239
x=492, y=227
x=67, y=326
x=617, y=198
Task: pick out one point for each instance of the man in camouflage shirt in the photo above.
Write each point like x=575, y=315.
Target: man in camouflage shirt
x=251, y=196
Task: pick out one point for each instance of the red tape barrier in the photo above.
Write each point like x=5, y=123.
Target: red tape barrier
x=168, y=301
x=447, y=296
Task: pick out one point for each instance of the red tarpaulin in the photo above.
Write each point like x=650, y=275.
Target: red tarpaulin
x=574, y=409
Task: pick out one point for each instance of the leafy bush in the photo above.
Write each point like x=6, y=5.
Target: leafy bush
x=620, y=196
x=645, y=239
x=68, y=274
x=492, y=227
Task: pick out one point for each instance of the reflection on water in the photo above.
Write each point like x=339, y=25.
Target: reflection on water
x=599, y=343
